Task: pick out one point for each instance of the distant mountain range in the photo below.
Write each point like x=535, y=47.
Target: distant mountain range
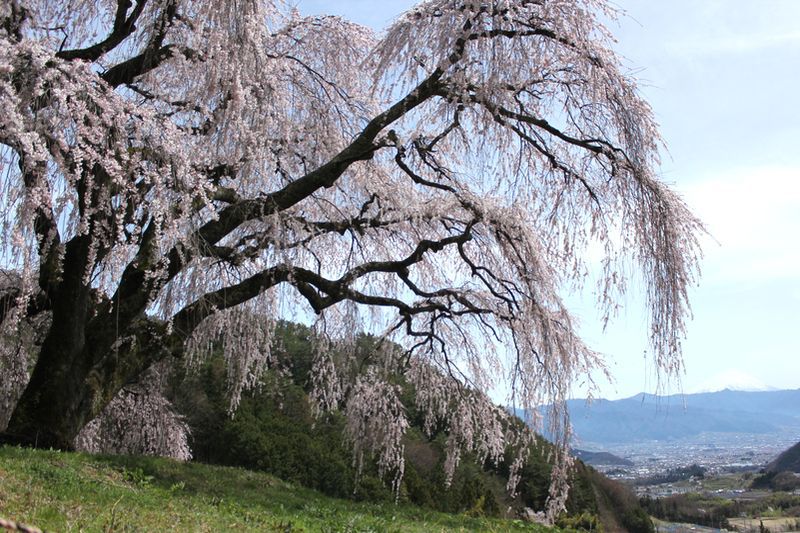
x=648, y=417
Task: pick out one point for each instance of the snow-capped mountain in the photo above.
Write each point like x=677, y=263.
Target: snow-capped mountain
x=731, y=379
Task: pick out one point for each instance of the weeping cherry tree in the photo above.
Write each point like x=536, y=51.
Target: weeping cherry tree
x=180, y=174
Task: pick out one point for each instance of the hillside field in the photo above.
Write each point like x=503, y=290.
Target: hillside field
x=77, y=492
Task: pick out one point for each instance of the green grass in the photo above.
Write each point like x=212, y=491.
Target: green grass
x=77, y=492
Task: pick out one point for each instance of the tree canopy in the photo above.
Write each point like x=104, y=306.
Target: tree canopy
x=181, y=172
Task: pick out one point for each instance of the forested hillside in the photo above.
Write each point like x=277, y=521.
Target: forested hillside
x=782, y=473
x=788, y=461
x=275, y=430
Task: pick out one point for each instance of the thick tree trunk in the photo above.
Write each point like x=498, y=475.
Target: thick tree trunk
x=51, y=412
x=83, y=363
x=53, y=408
x=69, y=388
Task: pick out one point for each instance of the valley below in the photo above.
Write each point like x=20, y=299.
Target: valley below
x=690, y=479
x=717, y=453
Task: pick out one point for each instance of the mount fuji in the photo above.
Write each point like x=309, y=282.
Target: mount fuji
x=733, y=380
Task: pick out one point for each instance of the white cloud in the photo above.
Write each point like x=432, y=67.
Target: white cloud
x=753, y=216
x=735, y=43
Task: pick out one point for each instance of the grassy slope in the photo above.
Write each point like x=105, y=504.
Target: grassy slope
x=71, y=492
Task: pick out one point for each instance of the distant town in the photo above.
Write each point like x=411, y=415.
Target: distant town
x=731, y=479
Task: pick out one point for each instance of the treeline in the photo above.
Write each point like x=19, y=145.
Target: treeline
x=691, y=508
x=274, y=430
x=674, y=474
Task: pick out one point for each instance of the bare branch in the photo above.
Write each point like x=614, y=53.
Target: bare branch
x=124, y=26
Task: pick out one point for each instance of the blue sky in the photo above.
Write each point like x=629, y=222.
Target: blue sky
x=723, y=78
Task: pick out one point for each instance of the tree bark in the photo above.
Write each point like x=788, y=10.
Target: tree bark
x=71, y=387
x=48, y=413
x=52, y=409
x=84, y=361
